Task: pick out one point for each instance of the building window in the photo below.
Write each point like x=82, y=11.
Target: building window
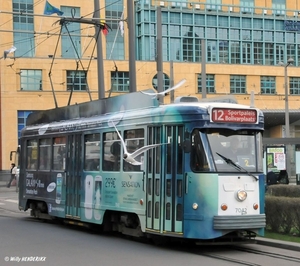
x=190, y=47
x=269, y=54
x=247, y=6
x=22, y=118
x=166, y=82
x=213, y=4
x=223, y=52
x=23, y=28
x=210, y=83
x=76, y=80
x=114, y=40
x=211, y=51
x=294, y=86
x=238, y=84
x=71, y=44
x=235, y=52
x=31, y=80
x=267, y=85
x=247, y=53
x=119, y=81
x=258, y=53
x=278, y=7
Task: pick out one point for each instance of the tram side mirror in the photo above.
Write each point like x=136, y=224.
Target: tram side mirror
x=187, y=146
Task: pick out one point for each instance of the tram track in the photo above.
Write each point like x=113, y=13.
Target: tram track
x=233, y=254
x=269, y=254
x=231, y=260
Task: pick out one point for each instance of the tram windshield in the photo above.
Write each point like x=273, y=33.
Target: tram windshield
x=212, y=148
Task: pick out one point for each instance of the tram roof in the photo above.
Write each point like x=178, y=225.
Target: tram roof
x=121, y=103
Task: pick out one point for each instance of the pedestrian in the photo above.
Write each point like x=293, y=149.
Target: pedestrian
x=283, y=177
x=13, y=171
x=271, y=178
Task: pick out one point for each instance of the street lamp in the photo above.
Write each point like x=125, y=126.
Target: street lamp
x=287, y=115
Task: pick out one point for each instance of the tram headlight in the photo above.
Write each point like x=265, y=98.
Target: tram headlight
x=241, y=195
x=195, y=206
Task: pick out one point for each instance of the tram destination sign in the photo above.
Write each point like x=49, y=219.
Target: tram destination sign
x=227, y=115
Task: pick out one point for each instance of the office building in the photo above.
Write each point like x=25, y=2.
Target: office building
x=50, y=59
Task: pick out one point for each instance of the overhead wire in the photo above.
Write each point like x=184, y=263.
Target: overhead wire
x=49, y=34
x=35, y=4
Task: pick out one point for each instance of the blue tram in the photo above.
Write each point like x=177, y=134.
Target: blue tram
x=201, y=179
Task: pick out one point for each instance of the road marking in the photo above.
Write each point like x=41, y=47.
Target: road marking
x=11, y=200
x=2, y=203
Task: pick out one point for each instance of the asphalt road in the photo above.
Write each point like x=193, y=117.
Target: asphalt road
x=35, y=242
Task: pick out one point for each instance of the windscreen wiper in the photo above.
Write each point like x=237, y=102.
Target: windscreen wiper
x=236, y=166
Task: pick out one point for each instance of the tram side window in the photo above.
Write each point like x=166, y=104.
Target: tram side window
x=198, y=158
x=111, y=152
x=92, y=152
x=31, y=154
x=45, y=154
x=134, y=139
x=59, y=153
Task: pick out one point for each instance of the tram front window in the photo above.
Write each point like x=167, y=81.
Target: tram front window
x=217, y=150
x=243, y=149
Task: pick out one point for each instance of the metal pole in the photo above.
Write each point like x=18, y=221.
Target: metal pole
x=287, y=116
x=159, y=57
x=100, y=64
x=131, y=43
x=203, y=68
x=171, y=81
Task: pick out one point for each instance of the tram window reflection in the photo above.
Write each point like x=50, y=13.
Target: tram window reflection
x=111, y=152
x=32, y=150
x=45, y=154
x=198, y=155
x=59, y=153
x=92, y=152
x=134, y=139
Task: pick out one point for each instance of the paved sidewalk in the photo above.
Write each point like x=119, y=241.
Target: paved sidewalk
x=278, y=243
x=3, y=187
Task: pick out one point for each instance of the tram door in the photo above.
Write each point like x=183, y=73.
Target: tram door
x=165, y=180
x=74, y=164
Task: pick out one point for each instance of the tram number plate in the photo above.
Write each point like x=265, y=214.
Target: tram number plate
x=241, y=211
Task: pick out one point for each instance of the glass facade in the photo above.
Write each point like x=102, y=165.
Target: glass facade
x=22, y=118
x=231, y=37
x=115, y=49
x=23, y=28
x=70, y=39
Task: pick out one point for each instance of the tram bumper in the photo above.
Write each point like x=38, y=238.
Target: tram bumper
x=247, y=222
